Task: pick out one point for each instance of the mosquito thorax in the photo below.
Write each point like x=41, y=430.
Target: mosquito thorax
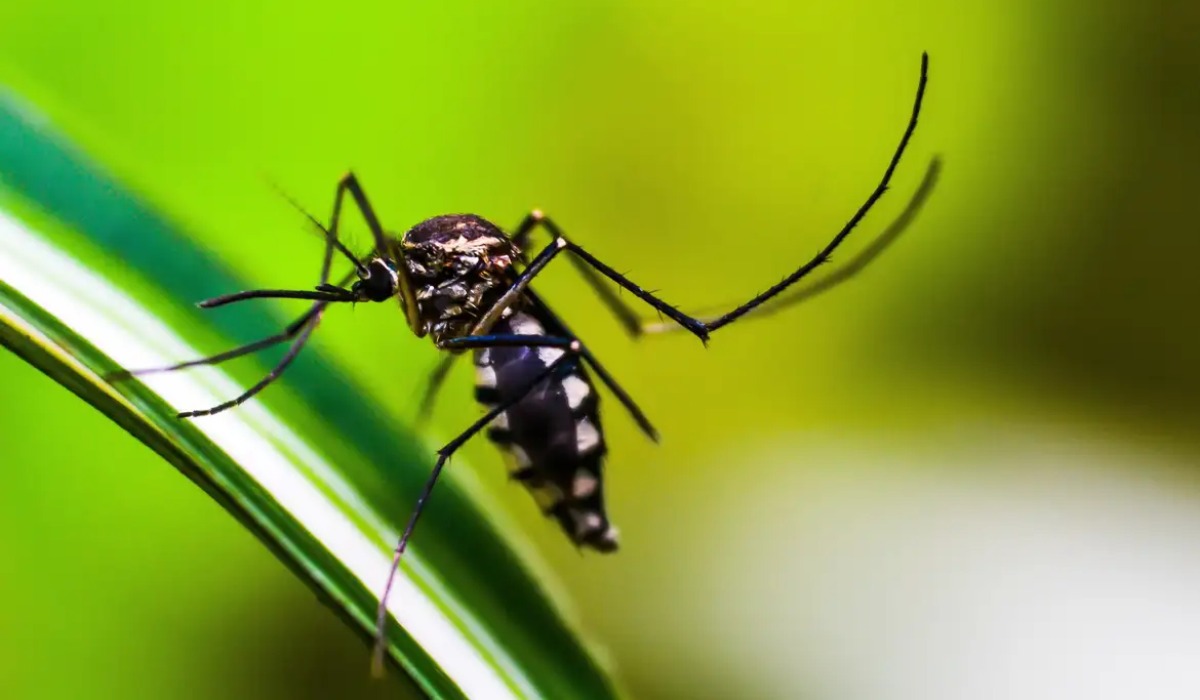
x=458, y=265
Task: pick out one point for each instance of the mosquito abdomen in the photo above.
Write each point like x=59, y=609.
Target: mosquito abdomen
x=552, y=438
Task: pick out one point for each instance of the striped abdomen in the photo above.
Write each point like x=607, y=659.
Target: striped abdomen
x=552, y=437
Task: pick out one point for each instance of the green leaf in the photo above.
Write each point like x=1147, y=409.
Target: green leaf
x=326, y=489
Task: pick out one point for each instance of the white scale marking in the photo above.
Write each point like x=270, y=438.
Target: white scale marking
x=524, y=324
x=584, y=485
x=549, y=356
x=519, y=455
x=485, y=377
x=586, y=436
x=586, y=522
x=577, y=390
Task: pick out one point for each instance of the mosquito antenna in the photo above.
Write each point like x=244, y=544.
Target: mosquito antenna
x=359, y=267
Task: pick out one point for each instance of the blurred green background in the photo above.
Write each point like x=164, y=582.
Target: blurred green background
x=971, y=469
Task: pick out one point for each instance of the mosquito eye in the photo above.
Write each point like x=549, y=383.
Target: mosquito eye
x=380, y=287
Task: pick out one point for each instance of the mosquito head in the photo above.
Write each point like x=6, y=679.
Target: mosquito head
x=456, y=263
x=378, y=281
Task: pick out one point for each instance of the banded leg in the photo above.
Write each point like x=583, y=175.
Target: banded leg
x=700, y=328
x=570, y=354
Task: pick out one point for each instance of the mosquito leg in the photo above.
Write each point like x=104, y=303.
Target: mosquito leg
x=848, y=270
x=433, y=386
x=438, y=376
x=823, y=256
x=543, y=259
x=557, y=327
x=626, y=316
x=443, y=456
x=274, y=374
x=288, y=333
x=622, y=396
x=570, y=343
x=537, y=341
x=302, y=329
x=697, y=327
x=383, y=246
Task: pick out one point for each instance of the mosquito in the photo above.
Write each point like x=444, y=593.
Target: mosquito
x=465, y=283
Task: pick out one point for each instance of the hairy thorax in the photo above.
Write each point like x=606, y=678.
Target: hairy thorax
x=459, y=265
